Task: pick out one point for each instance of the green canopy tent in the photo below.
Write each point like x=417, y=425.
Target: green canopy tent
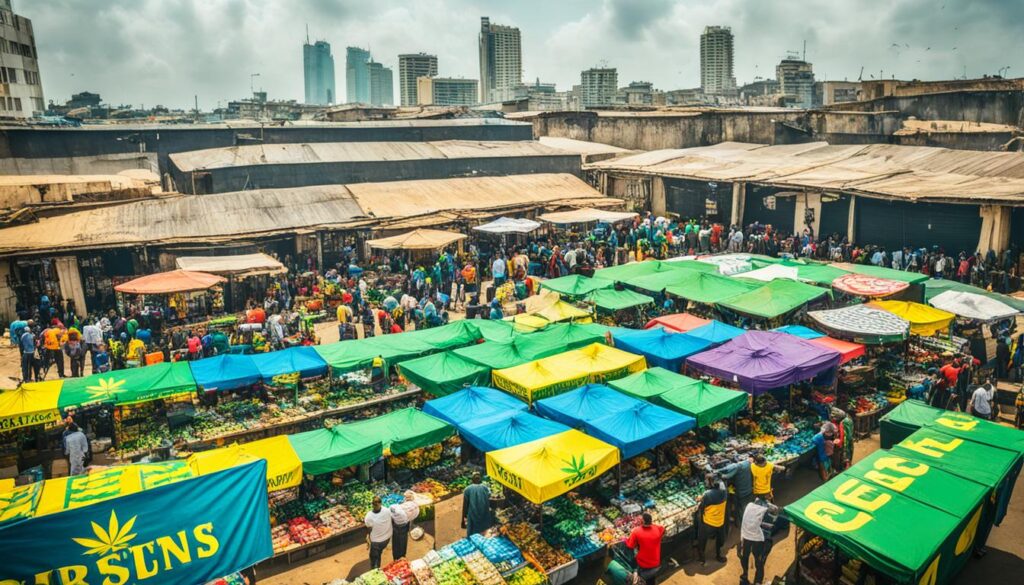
x=776, y=298
x=708, y=287
x=496, y=330
x=129, y=386
x=704, y=402
x=616, y=300
x=912, y=415
x=694, y=265
x=442, y=373
x=625, y=272
x=403, y=430
x=935, y=287
x=327, y=450
x=574, y=285
x=660, y=281
x=354, y=354
x=903, y=517
x=554, y=338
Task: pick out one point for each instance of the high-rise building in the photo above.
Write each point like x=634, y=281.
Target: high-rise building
x=716, y=60
x=21, y=91
x=599, y=85
x=410, y=68
x=501, y=61
x=318, y=66
x=796, y=82
x=446, y=91
x=382, y=89
x=357, y=75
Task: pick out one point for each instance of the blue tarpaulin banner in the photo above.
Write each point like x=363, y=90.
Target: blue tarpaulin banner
x=192, y=531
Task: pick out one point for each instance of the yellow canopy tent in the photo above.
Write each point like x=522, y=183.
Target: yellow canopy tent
x=547, y=468
x=31, y=403
x=924, y=320
x=284, y=469
x=547, y=307
x=562, y=372
x=527, y=323
x=563, y=311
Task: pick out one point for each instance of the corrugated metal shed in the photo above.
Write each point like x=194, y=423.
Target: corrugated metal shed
x=914, y=173
x=332, y=152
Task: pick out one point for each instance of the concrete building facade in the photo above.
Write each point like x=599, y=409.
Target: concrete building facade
x=410, y=68
x=716, y=60
x=599, y=86
x=501, y=61
x=796, y=82
x=382, y=85
x=838, y=92
x=21, y=90
x=357, y=75
x=318, y=72
x=446, y=91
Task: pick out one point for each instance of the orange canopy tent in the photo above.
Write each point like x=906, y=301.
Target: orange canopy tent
x=679, y=322
x=847, y=349
x=175, y=281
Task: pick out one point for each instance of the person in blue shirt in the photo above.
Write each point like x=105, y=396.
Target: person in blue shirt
x=823, y=447
x=144, y=335
x=17, y=328
x=27, y=345
x=101, y=359
x=496, y=313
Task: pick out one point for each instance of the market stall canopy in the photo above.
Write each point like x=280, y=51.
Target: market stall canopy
x=354, y=354
x=582, y=404
x=862, y=324
x=586, y=215
x=303, y=359
x=763, y=360
x=32, y=403
x=58, y=494
x=972, y=306
x=175, y=281
x=661, y=348
x=547, y=468
x=508, y=225
x=552, y=340
x=848, y=349
x=625, y=272
x=863, y=285
x=770, y=272
x=638, y=428
x=328, y=450
x=882, y=272
x=284, y=468
x=610, y=299
x=799, y=331
x=924, y=320
x=561, y=372
x=508, y=429
x=903, y=534
x=563, y=311
x=574, y=285
x=418, y=239
x=442, y=373
x=129, y=386
x=774, y=299
x=807, y=271
x=911, y=415
x=702, y=401
x=716, y=332
x=473, y=403
x=402, y=430
x=709, y=288
x=678, y=322
x=728, y=264
x=938, y=286
x=224, y=372
x=241, y=266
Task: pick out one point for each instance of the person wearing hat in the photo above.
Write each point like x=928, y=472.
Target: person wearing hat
x=400, y=524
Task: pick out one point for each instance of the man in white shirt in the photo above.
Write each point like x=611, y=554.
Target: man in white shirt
x=498, y=270
x=754, y=538
x=378, y=520
x=92, y=337
x=981, y=401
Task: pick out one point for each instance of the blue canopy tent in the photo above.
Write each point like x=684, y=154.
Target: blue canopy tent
x=639, y=428
x=800, y=331
x=304, y=359
x=508, y=430
x=582, y=404
x=473, y=403
x=716, y=332
x=660, y=347
x=224, y=372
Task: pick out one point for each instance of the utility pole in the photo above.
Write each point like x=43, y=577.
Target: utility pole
x=252, y=91
x=196, y=97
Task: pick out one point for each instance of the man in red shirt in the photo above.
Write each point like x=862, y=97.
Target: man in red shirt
x=951, y=372
x=647, y=540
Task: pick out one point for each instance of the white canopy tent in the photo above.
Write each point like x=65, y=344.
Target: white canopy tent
x=769, y=273
x=508, y=225
x=972, y=306
x=241, y=265
x=586, y=215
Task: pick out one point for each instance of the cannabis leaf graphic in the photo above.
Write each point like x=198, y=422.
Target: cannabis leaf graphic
x=113, y=539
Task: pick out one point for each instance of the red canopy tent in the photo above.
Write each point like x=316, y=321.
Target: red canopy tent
x=847, y=349
x=678, y=322
x=175, y=281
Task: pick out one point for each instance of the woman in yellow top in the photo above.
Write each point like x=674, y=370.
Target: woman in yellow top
x=54, y=337
x=136, y=355
x=762, y=471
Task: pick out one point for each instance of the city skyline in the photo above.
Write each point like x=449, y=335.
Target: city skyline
x=657, y=41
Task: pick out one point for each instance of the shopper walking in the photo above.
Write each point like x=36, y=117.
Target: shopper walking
x=646, y=540
x=399, y=531
x=76, y=447
x=711, y=518
x=755, y=539
x=476, y=506
x=378, y=520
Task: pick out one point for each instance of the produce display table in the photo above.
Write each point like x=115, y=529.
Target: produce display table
x=564, y=573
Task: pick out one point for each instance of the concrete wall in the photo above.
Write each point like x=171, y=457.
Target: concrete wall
x=273, y=176
x=996, y=107
x=61, y=143
x=990, y=141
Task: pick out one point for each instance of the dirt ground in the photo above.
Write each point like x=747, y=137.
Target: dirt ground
x=1004, y=559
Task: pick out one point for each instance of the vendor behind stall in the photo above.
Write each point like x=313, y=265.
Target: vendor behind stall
x=824, y=446
x=646, y=539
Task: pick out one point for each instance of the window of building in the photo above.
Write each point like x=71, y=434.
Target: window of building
x=38, y=105
x=17, y=104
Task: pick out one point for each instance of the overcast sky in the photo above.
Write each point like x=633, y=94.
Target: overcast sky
x=165, y=51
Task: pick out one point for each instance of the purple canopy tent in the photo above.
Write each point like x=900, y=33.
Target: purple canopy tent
x=763, y=360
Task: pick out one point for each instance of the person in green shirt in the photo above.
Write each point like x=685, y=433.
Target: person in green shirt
x=476, y=506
